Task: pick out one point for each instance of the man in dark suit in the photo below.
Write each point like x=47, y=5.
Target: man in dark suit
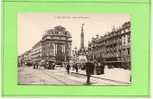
x=68, y=68
x=89, y=70
x=76, y=67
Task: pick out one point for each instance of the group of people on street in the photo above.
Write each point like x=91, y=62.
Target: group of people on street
x=75, y=66
x=90, y=68
x=35, y=66
x=48, y=65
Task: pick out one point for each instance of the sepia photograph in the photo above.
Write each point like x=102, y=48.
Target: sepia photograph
x=74, y=49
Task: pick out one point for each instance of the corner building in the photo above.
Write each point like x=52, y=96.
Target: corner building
x=112, y=49
x=56, y=45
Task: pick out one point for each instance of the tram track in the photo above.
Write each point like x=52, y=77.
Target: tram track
x=63, y=79
x=56, y=77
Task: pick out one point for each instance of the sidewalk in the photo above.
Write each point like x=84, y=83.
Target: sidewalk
x=114, y=74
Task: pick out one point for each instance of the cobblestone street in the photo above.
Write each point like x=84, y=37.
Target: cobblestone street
x=28, y=75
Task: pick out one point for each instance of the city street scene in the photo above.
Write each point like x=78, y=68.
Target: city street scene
x=74, y=49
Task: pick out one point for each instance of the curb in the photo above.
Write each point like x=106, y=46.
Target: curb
x=102, y=78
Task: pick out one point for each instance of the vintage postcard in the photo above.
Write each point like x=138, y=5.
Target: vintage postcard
x=74, y=49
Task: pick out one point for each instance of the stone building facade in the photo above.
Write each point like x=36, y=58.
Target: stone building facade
x=112, y=49
x=36, y=53
x=56, y=45
x=25, y=58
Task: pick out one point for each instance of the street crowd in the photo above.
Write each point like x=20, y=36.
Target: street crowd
x=89, y=67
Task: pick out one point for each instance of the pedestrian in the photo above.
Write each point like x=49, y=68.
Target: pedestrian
x=89, y=71
x=53, y=65
x=49, y=66
x=73, y=67
x=68, y=68
x=76, y=67
x=98, y=69
x=34, y=65
x=102, y=68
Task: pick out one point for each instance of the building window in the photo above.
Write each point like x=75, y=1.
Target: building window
x=129, y=39
x=128, y=51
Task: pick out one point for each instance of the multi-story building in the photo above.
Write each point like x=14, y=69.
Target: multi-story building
x=25, y=58
x=112, y=49
x=126, y=44
x=56, y=45
x=36, y=53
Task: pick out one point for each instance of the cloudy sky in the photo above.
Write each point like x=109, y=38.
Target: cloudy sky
x=31, y=26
